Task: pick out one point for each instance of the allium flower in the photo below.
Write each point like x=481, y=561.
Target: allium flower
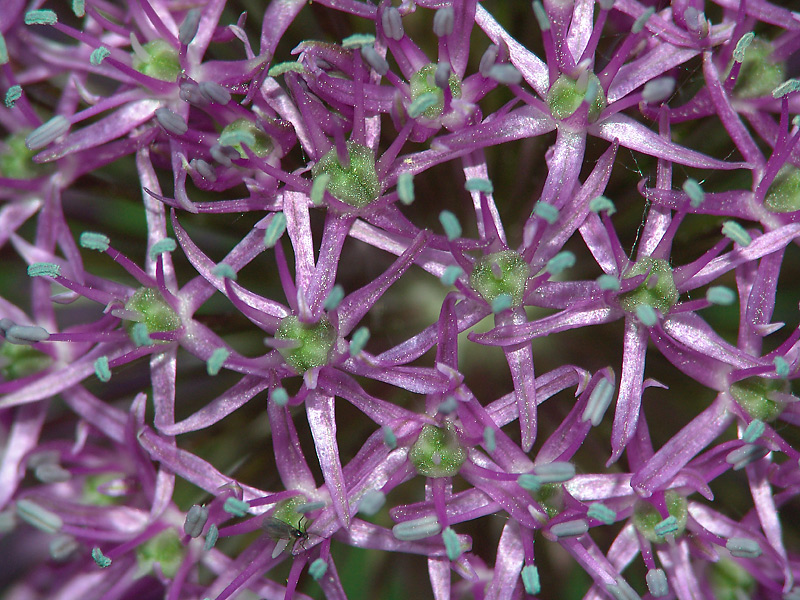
x=399, y=260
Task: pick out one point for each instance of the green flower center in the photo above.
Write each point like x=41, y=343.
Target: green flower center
x=16, y=160
x=105, y=489
x=566, y=95
x=729, y=581
x=759, y=75
x=503, y=272
x=357, y=184
x=244, y=131
x=647, y=519
x=312, y=343
x=153, y=311
x=437, y=451
x=161, y=61
x=784, y=194
x=658, y=289
x=753, y=395
x=551, y=498
x=18, y=360
x=424, y=82
x=165, y=549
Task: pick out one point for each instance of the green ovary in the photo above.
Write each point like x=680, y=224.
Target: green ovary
x=17, y=361
x=312, y=343
x=753, y=395
x=759, y=75
x=658, y=289
x=16, y=161
x=357, y=184
x=153, y=311
x=165, y=549
x=424, y=82
x=247, y=132
x=567, y=94
x=437, y=451
x=161, y=62
x=503, y=272
x=646, y=517
x=783, y=195
x=551, y=498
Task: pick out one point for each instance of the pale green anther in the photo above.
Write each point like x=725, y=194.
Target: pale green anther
x=541, y=16
x=741, y=46
x=647, y=315
x=39, y=517
x=720, y=295
x=608, y=283
x=13, y=94
x=781, y=366
x=308, y=507
x=216, y=360
x=389, y=437
x=357, y=40
x=451, y=544
x=280, y=396
x=666, y=527
x=437, y=451
x=99, y=55
x=737, y=233
x=245, y=132
x=417, y=529
x=236, y=507
x=102, y=370
x=317, y=569
x=479, y=184
x=754, y=430
x=450, y=224
x=79, y=8
x=657, y=583
x=284, y=67
x=224, y=271
x=357, y=184
x=566, y=95
x=501, y=303
x=161, y=246
x=334, y=298
x=530, y=580
x=94, y=241
x=313, y=343
x=598, y=403
x=423, y=83
x=157, y=59
x=787, y=87
x=548, y=212
x=745, y=455
x=318, y=188
x=3, y=50
x=450, y=405
x=275, y=230
x=451, y=274
x=600, y=204
x=622, y=590
x=646, y=518
x=405, y=188
x=601, y=513
x=140, y=335
x=489, y=439
x=62, y=547
x=40, y=17
x=529, y=482
x=44, y=269
x=560, y=263
x=573, y=528
x=661, y=296
x=211, y=537
x=359, y=340
x=783, y=195
x=642, y=20
x=100, y=559
x=165, y=549
x=514, y=272
x=371, y=502
x=195, y=520
x=696, y=194
x=743, y=547
x=422, y=103
x=555, y=472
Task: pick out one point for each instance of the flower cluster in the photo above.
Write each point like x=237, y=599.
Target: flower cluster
x=399, y=261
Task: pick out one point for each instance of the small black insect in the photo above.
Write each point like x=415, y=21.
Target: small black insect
x=281, y=531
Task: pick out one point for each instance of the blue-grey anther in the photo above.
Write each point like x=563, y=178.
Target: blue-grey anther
x=745, y=455
x=443, y=21
x=555, y=472
x=657, y=583
x=599, y=401
x=371, y=502
x=442, y=75
x=606, y=4
x=541, y=15
x=376, y=62
x=667, y=526
x=62, y=547
x=392, y=23
x=787, y=87
x=658, y=90
x=214, y=92
x=317, y=569
x=640, y=22
x=188, y=29
x=44, y=134
x=205, y=170
x=743, y=547
x=621, y=590
x=741, y=46
x=696, y=194
x=530, y=579
x=488, y=60
x=52, y=473
x=171, y=121
x=308, y=507
x=195, y=521
x=190, y=92
x=38, y=517
x=417, y=529
x=505, y=74
x=25, y=334
x=223, y=154
x=570, y=528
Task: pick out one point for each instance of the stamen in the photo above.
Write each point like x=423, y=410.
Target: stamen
x=188, y=29
x=489, y=439
x=529, y=482
x=450, y=224
x=171, y=121
x=317, y=569
x=754, y=431
x=38, y=517
x=214, y=92
x=657, y=583
x=647, y=315
x=787, y=87
x=223, y=154
x=505, y=74
x=737, y=233
x=488, y=59
x=442, y=75
x=162, y=246
x=279, y=396
x=359, y=340
x=781, y=366
x=405, y=188
x=720, y=295
x=608, y=283
x=275, y=230
x=216, y=361
x=560, y=262
x=601, y=513
x=417, y=529
x=622, y=590
x=40, y=17
x=211, y=537
x=600, y=204
x=451, y=274
x=422, y=103
x=285, y=67
x=3, y=51
x=13, y=94
x=236, y=507
x=334, y=298
x=357, y=40
x=79, y=8
x=389, y=438
x=98, y=55
x=741, y=46
x=450, y=405
x=52, y=473
x=25, y=334
x=48, y=132
x=371, y=502
x=309, y=507
x=443, y=21
x=479, y=184
x=694, y=191
x=745, y=455
x=566, y=529
x=205, y=170
x=392, y=24
x=546, y=211
x=140, y=335
x=138, y=49
x=375, y=60
x=190, y=92
x=743, y=547
x=555, y=472
x=606, y=4
x=101, y=559
x=502, y=302
x=44, y=269
x=451, y=544
x=62, y=547
x=666, y=527
x=195, y=521
x=599, y=401
x=102, y=370
x=541, y=16
x=318, y=188
x=656, y=91
x=530, y=580
x=639, y=23
x=224, y=271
